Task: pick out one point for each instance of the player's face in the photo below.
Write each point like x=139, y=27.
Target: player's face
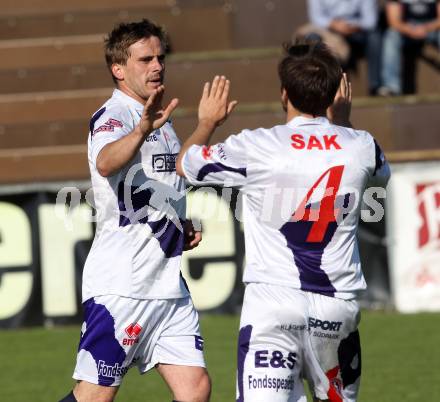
x=145, y=68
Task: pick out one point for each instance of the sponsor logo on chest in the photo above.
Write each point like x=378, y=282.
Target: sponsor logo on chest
x=164, y=162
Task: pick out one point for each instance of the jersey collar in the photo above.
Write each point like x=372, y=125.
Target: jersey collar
x=305, y=121
x=117, y=93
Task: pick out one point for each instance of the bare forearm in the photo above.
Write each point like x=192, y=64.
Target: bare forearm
x=433, y=25
x=114, y=156
x=201, y=136
x=403, y=28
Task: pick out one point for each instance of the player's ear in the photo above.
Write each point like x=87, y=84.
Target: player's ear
x=284, y=99
x=117, y=71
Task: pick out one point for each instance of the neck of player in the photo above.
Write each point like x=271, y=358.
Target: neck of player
x=291, y=113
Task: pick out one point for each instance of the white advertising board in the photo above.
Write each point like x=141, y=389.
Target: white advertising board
x=413, y=232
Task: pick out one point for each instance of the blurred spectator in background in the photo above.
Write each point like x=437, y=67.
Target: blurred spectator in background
x=412, y=23
x=349, y=28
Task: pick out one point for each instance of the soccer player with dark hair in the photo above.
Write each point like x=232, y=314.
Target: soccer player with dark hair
x=302, y=183
x=137, y=308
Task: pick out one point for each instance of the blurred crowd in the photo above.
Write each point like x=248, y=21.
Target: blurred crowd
x=390, y=34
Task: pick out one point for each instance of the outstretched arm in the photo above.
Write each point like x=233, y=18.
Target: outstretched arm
x=214, y=109
x=116, y=155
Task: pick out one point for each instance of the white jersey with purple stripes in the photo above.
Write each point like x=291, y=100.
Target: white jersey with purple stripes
x=139, y=211
x=302, y=183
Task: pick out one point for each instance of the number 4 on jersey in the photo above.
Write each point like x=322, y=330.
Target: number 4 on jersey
x=327, y=212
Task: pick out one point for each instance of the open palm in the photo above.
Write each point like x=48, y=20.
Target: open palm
x=154, y=115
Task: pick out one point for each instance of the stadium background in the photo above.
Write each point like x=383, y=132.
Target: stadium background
x=53, y=76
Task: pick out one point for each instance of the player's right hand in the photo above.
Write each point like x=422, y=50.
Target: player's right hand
x=154, y=115
x=214, y=106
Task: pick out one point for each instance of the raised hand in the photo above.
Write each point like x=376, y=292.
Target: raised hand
x=214, y=105
x=339, y=112
x=154, y=115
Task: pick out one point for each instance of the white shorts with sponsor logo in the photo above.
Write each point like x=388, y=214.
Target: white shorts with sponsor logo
x=335, y=340
x=119, y=333
x=274, y=346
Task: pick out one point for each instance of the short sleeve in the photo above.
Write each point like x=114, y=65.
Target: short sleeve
x=222, y=164
x=378, y=168
x=107, y=125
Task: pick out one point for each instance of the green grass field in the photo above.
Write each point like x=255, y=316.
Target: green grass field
x=401, y=361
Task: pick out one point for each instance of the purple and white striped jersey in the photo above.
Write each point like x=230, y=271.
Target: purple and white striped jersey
x=139, y=211
x=302, y=184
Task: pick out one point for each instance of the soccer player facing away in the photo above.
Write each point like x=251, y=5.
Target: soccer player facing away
x=302, y=183
x=137, y=308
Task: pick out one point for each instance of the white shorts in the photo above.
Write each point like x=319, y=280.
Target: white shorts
x=287, y=335
x=274, y=345
x=119, y=333
x=335, y=340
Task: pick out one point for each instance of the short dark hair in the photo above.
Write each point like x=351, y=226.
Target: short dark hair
x=117, y=43
x=311, y=75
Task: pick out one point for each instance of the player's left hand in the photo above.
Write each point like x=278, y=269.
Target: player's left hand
x=154, y=115
x=339, y=112
x=192, y=236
